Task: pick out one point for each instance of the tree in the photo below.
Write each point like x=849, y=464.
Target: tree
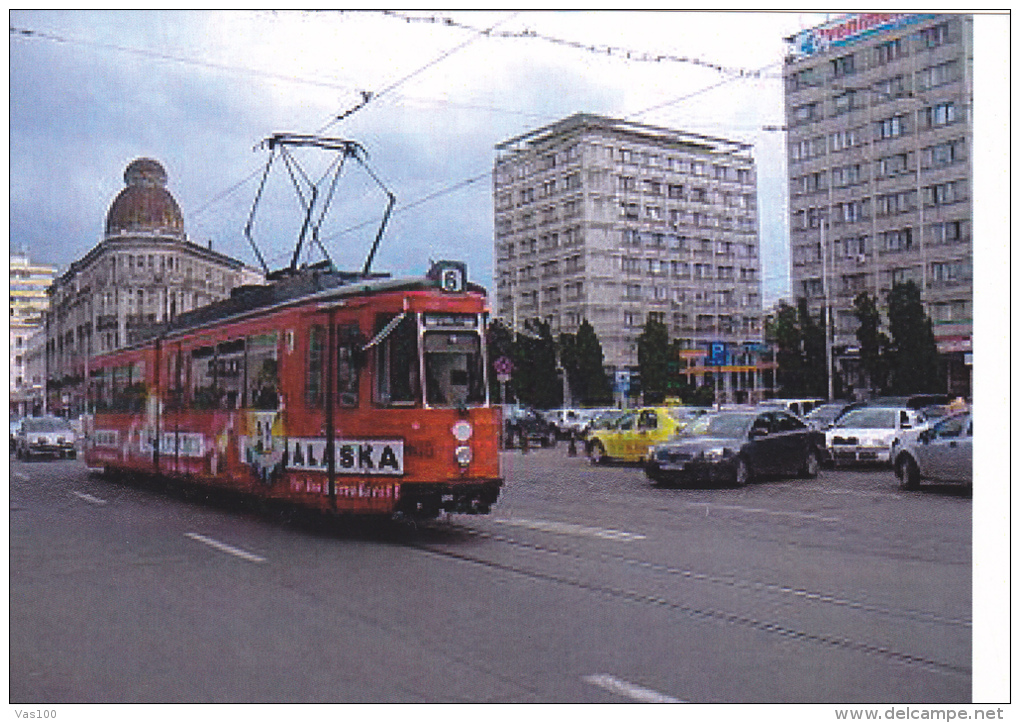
x=653, y=358
x=535, y=379
x=815, y=376
x=872, y=342
x=915, y=357
x=784, y=332
x=583, y=360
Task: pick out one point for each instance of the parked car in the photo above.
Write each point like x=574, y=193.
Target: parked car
x=572, y=421
x=866, y=434
x=521, y=423
x=603, y=420
x=941, y=452
x=825, y=415
x=630, y=437
x=796, y=407
x=15, y=426
x=910, y=401
x=45, y=436
x=735, y=447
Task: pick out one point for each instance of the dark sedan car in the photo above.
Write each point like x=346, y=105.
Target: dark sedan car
x=734, y=447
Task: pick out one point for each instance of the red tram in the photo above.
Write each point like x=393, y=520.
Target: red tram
x=342, y=393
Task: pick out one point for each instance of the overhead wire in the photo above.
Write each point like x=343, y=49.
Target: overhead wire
x=371, y=96
x=629, y=54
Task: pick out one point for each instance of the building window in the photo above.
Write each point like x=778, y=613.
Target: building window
x=892, y=165
x=950, y=272
x=891, y=127
x=843, y=66
x=898, y=240
x=890, y=51
x=948, y=232
x=806, y=113
x=939, y=115
x=935, y=36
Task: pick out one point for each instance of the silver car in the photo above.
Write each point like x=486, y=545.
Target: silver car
x=45, y=436
x=866, y=434
x=940, y=453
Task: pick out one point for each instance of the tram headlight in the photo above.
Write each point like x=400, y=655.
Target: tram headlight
x=463, y=455
x=462, y=431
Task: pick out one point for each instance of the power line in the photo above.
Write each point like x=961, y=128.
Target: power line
x=367, y=97
x=688, y=96
x=621, y=53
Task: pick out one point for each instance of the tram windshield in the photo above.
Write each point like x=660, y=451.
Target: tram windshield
x=453, y=368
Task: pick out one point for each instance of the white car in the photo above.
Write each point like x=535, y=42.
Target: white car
x=45, y=437
x=942, y=452
x=866, y=434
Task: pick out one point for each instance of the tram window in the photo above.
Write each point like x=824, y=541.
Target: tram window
x=101, y=389
x=313, y=376
x=175, y=380
x=203, y=374
x=263, y=372
x=230, y=373
x=128, y=388
x=453, y=368
x=349, y=342
x=396, y=364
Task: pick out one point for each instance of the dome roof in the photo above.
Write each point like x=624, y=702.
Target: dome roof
x=145, y=205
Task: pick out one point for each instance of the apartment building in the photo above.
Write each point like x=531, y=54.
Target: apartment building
x=142, y=273
x=28, y=305
x=878, y=110
x=613, y=222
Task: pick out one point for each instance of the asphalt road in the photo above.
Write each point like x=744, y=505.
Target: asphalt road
x=585, y=585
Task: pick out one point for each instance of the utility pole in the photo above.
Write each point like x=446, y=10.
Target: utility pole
x=828, y=305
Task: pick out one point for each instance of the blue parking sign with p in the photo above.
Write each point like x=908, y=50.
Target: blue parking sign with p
x=717, y=353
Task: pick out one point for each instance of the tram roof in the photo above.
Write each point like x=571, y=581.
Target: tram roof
x=309, y=284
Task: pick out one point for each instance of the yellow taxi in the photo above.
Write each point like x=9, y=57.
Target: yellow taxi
x=630, y=437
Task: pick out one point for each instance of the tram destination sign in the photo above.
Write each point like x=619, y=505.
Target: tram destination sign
x=353, y=456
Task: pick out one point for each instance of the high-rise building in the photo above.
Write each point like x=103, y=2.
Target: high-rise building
x=142, y=273
x=29, y=302
x=878, y=109
x=614, y=222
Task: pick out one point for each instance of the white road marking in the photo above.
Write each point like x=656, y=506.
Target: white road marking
x=636, y=692
x=566, y=528
x=224, y=547
x=22, y=477
x=758, y=510
x=89, y=498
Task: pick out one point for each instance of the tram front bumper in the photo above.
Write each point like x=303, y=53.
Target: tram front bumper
x=471, y=497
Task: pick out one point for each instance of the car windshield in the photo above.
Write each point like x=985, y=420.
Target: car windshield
x=727, y=426
x=869, y=419
x=45, y=425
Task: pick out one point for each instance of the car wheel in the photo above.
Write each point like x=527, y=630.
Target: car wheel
x=811, y=465
x=742, y=474
x=597, y=453
x=909, y=474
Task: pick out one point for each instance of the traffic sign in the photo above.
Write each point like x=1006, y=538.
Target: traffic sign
x=716, y=354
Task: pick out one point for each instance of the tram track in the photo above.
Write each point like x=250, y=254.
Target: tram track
x=709, y=612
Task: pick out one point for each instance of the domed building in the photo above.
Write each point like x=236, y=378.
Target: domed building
x=144, y=271
x=145, y=206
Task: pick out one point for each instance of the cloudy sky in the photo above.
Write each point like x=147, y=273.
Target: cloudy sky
x=199, y=91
